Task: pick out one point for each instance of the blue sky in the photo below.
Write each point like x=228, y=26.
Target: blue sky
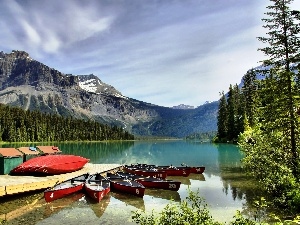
x=165, y=52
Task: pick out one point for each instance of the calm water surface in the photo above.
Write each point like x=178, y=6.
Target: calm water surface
x=223, y=185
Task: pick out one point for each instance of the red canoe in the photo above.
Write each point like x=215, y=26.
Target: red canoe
x=124, y=185
x=146, y=172
x=175, y=171
x=169, y=170
x=51, y=164
x=194, y=169
x=153, y=182
x=97, y=187
x=65, y=188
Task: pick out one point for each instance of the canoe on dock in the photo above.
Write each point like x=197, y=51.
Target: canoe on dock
x=10, y=185
x=51, y=164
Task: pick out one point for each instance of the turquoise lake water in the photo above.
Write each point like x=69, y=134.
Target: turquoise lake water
x=223, y=185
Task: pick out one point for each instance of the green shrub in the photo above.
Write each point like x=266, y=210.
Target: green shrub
x=192, y=211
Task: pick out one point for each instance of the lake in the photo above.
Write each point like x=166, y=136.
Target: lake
x=223, y=185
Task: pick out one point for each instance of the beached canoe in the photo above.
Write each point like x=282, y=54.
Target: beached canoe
x=65, y=188
x=51, y=164
x=97, y=186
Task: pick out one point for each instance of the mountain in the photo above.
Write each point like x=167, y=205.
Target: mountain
x=31, y=85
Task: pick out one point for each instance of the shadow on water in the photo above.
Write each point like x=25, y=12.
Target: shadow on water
x=13, y=202
x=31, y=207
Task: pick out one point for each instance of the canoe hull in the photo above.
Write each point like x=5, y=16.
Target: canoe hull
x=65, y=188
x=146, y=173
x=122, y=184
x=125, y=188
x=169, y=170
x=96, y=191
x=198, y=170
x=160, y=184
x=51, y=164
x=62, y=190
x=97, y=186
x=151, y=182
x=195, y=169
x=175, y=171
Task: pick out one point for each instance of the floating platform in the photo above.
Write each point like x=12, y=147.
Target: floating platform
x=18, y=184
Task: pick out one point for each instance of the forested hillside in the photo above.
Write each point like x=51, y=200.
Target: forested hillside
x=18, y=125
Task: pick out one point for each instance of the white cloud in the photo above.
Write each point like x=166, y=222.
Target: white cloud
x=162, y=52
x=31, y=33
x=51, y=26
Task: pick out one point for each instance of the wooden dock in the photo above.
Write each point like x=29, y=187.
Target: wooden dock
x=18, y=184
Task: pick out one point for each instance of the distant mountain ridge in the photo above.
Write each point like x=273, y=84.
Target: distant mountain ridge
x=31, y=85
x=183, y=106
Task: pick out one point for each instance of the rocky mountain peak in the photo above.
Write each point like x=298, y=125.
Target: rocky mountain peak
x=19, y=54
x=93, y=84
x=18, y=68
x=14, y=55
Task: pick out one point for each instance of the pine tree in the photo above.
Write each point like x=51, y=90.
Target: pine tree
x=239, y=111
x=233, y=117
x=249, y=92
x=222, y=118
x=282, y=51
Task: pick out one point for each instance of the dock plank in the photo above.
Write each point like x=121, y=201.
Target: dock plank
x=2, y=191
x=18, y=184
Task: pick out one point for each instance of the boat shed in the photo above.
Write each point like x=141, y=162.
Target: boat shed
x=29, y=152
x=49, y=150
x=9, y=159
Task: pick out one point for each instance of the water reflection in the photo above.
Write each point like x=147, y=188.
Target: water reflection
x=59, y=204
x=194, y=176
x=229, y=155
x=99, y=152
x=163, y=194
x=131, y=200
x=99, y=207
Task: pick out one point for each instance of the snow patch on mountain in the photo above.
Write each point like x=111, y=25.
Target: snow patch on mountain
x=93, y=84
x=89, y=85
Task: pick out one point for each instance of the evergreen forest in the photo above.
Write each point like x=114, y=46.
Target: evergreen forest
x=18, y=125
x=263, y=116
x=238, y=108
